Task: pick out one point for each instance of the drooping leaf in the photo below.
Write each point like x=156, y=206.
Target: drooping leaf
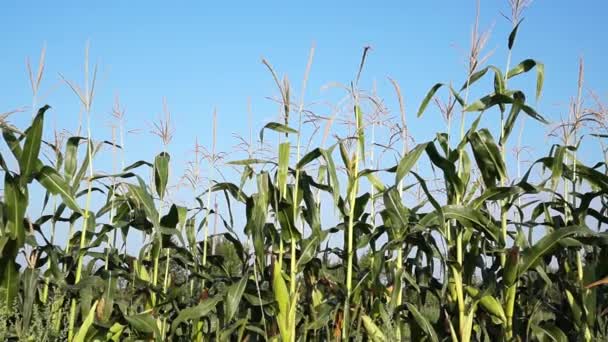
x=277, y=127
x=145, y=323
x=488, y=102
x=195, y=312
x=531, y=255
x=423, y=323
x=56, y=185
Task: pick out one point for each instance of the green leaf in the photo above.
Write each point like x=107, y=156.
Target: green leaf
x=427, y=98
x=487, y=102
x=250, y=161
x=12, y=142
x=146, y=200
x=195, y=312
x=533, y=114
x=228, y=331
x=453, y=181
x=399, y=215
x=309, y=157
x=557, y=167
x=540, y=79
x=233, y=297
x=510, y=271
x=527, y=65
x=56, y=185
x=256, y=217
x=524, y=66
x=281, y=295
x=516, y=107
x=360, y=132
x=423, y=323
x=308, y=252
x=332, y=174
x=467, y=216
x=145, y=323
x=474, y=78
x=488, y=157
x=373, y=332
x=277, y=127
x=33, y=139
x=284, y=149
x=9, y=281
x=161, y=173
x=90, y=152
x=531, y=255
x=550, y=332
x=16, y=201
x=408, y=161
x=375, y=181
x=513, y=34
x=86, y=324
x=71, y=157
x=30, y=285
x=115, y=332
x=488, y=303
x=499, y=80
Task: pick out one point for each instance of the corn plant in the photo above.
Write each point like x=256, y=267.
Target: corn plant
x=367, y=236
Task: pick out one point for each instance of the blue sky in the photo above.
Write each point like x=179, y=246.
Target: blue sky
x=202, y=56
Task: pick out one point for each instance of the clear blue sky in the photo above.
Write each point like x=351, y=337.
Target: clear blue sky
x=201, y=55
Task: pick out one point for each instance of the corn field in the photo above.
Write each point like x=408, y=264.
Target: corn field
x=369, y=236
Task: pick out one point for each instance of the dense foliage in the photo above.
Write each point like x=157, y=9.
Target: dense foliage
x=489, y=258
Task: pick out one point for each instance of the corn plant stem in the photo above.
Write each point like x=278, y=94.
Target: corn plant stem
x=281, y=253
x=85, y=221
x=113, y=244
x=193, y=250
x=459, y=233
x=350, y=249
x=503, y=211
x=211, y=169
x=373, y=190
x=165, y=286
x=579, y=264
x=68, y=246
x=257, y=287
x=399, y=261
x=511, y=292
x=293, y=267
x=206, y=227
x=354, y=188
x=45, y=292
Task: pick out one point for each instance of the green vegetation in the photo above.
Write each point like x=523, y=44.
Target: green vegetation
x=482, y=256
